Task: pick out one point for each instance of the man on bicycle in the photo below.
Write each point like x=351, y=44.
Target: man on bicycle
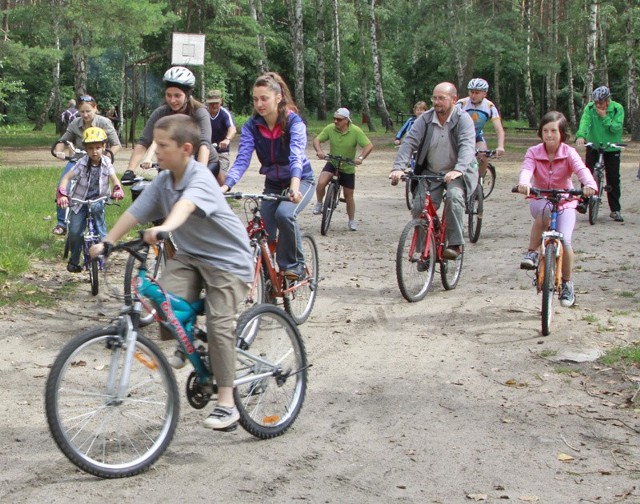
x=444, y=137
x=482, y=110
x=344, y=137
x=601, y=123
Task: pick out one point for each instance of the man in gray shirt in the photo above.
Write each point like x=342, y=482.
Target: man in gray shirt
x=445, y=140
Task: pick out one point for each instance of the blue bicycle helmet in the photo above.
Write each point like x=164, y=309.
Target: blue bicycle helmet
x=478, y=85
x=601, y=93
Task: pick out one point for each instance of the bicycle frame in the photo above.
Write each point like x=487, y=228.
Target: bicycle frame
x=436, y=225
x=90, y=235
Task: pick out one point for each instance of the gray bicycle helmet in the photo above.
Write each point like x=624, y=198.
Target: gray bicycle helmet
x=179, y=77
x=601, y=93
x=478, y=85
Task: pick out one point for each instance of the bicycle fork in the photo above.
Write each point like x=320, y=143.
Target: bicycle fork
x=547, y=238
x=119, y=390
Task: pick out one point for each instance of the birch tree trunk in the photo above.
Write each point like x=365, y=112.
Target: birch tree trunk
x=321, y=67
x=571, y=104
x=530, y=106
x=79, y=57
x=255, y=8
x=633, y=106
x=297, y=36
x=377, y=70
x=603, y=70
x=336, y=53
x=364, y=69
x=54, y=97
x=552, y=73
x=592, y=34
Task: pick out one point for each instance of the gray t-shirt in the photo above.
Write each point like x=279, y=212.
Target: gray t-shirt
x=442, y=155
x=213, y=233
x=202, y=118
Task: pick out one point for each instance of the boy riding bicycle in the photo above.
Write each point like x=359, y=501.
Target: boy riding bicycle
x=213, y=248
x=92, y=174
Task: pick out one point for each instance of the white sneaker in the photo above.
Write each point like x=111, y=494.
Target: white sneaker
x=221, y=418
x=317, y=208
x=353, y=225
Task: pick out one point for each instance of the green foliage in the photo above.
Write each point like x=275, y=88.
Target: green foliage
x=622, y=355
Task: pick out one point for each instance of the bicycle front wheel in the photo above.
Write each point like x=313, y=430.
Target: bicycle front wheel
x=301, y=295
x=450, y=270
x=475, y=209
x=330, y=204
x=415, y=261
x=596, y=199
x=408, y=194
x=271, y=371
x=548, y=287
x=100, y=430
x=155, y=264
x=93, y=276
x=489, y=181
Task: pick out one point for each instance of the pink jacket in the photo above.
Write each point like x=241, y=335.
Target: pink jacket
x=539, y=172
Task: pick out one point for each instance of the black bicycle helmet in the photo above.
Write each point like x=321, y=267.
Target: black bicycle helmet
x=601, y=93
x=179, y=77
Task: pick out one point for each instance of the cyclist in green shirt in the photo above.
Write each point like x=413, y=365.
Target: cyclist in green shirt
x=344, y=137
x=601, y=123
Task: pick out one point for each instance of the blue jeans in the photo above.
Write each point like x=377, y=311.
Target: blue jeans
x=60, y=212
x=77, y=225
x=280, y=221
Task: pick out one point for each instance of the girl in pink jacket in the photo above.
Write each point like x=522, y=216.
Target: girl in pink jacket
x=549, y=165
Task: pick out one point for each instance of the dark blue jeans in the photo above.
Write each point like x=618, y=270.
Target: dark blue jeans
x=77, y=225
x=280, y=221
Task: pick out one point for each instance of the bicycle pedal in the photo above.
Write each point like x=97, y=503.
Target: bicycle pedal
x=230, y=428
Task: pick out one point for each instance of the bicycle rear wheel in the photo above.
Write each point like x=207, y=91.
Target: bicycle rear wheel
x=475, y=209
x=155, y=264
x=548, y=287
x=596, y=199
x=489, y=181
x=450, y=270
x=271, y=371
x=101, y=432
x=415, y=265
x=299, y=301
x=330, y=204
x=67, y=247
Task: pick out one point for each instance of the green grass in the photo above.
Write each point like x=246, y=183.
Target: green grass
x=28, y=214
x=23, y=135
x=622, y=355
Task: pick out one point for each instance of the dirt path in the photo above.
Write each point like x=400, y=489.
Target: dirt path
x=457, y=398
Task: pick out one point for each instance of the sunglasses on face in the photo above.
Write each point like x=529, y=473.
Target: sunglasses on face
x=86, y=98
x=338, y=119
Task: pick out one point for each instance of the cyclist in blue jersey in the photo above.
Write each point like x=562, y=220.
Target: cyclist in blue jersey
x=418, y=109
x=482, y=110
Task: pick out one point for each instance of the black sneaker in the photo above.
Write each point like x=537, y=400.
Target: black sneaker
x=74, y=268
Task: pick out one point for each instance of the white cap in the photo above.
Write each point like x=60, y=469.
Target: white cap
x=343, y=112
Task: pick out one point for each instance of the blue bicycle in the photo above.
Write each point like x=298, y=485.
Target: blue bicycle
x=111, y=397
x=90, y=238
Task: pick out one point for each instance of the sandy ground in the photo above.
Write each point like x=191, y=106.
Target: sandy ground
x=457, y=398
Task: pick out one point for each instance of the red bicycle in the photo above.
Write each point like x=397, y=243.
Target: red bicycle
x=422, y=244
x=269, y=283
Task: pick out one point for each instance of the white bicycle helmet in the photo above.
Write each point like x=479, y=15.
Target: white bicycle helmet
x=478, y=85
x=601, y=93
x=180, y=77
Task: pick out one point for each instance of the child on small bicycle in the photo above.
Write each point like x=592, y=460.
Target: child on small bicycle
x=213, y=248
x=92, y=174
x=549, y=165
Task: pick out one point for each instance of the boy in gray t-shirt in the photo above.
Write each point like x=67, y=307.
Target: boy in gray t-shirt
x=213, y=247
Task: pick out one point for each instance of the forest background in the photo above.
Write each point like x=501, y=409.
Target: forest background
x=376, y=57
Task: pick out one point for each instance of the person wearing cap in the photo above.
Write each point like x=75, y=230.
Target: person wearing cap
x=481, y=111
x=223, y=129
x=444, y=138
x=601, y=124
x=344, y=137
x=179, y=83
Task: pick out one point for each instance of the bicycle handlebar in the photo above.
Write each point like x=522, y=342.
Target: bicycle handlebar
x=605, y=145
x=261, y=196
x=431, y=178
x=89, y=202
x=536, y=191
x=488, y=153
x=339, y=159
